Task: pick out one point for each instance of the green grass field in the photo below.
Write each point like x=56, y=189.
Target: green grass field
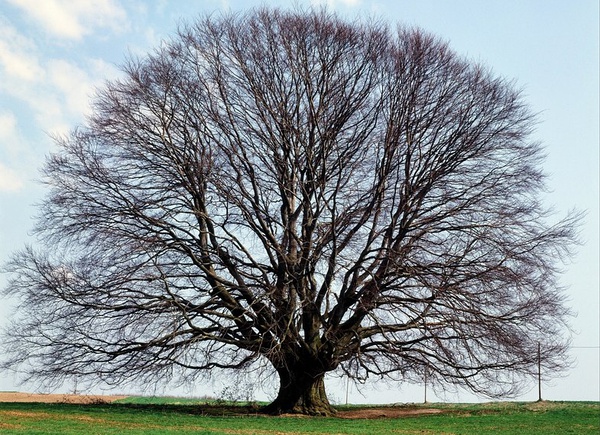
x=144, y=416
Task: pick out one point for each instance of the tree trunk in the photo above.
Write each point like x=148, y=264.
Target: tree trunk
x=300, y=392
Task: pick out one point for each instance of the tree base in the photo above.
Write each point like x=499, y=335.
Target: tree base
x=314, y=409
x=307, y=399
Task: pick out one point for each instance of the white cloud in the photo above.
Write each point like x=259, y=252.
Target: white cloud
x=18, y=64
x=16, y=157
x=8, y=123
x=17, y=57
x=44, y=91
x=9, y=146
x=9, y=180
x=333, y=3
x=73, y=84
x=72, y=19
x=57, y=91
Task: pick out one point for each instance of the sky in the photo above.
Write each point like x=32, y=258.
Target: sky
x=55, y=53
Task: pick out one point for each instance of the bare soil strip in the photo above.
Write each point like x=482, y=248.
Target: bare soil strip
x=386, y=412
x=368, y=413
x=56, y=398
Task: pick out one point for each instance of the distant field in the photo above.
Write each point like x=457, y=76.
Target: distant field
x=186, y=416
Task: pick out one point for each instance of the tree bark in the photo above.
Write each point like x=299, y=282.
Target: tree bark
x=300, y=392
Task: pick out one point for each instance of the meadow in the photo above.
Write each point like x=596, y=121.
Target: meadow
x=178, y=416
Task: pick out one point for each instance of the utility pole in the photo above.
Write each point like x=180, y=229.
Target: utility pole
x=539, y=358
x=347, y=389
x=425, y=400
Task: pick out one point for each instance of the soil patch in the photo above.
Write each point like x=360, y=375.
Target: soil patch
x=56, y=398
x=387, y=412
x=362, y=413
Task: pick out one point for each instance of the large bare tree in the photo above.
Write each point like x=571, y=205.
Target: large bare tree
x=291, y=188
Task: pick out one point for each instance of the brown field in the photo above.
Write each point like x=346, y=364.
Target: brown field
x=56, y=398
x=368, y=413
x=387, y=412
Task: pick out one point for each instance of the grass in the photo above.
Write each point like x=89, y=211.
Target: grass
x=186, y=417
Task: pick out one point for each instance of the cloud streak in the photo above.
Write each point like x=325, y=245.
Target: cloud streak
x=10, y=182
x=48, y=94
x=334, y=3
x=16, y=55
x=73, y=20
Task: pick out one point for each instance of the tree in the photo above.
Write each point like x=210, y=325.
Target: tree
x=293, y=189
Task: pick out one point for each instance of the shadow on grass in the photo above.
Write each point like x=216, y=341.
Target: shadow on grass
x=127, y=408
x=352, y=411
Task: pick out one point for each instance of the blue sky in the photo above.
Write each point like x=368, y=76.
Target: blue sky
x=53, y=53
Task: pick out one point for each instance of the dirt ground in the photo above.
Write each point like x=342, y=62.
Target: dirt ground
x=56, y=398
x=368, y=413
x=386, y=412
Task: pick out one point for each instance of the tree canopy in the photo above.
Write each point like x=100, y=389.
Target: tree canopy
x=291, y=188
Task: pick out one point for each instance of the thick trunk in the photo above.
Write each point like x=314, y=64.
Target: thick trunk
x=300, y=392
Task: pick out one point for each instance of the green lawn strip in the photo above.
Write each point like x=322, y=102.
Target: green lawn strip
x=126, y=419
x=522, y=418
